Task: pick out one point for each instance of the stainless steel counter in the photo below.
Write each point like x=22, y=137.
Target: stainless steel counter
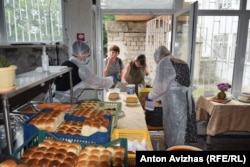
x=25, y=82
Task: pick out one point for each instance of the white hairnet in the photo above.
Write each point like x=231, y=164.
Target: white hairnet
x=80, y=48
x=161, y=52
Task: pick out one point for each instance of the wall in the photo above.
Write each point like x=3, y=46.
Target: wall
x=29, y=57
x=129, y=36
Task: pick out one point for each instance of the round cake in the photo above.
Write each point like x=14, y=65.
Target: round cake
x=113, y=96
x=244, y=98
x=131, y=100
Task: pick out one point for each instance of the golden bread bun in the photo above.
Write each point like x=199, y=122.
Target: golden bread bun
x=8, y=163
x=113, y=96
x=21, y=165
x=131, y=99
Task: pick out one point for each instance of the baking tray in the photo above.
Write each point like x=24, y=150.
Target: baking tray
x=96, y=138
x=33, y=107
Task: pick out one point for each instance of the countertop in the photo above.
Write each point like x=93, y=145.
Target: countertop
x=134, y=115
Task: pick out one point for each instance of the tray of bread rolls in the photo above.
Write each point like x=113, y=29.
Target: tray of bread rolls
x=45, y=149
x=89, y=109
x=32, y=107
x=95, y=130
x=11, y=161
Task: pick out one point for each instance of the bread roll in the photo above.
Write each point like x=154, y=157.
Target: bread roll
x=113, y=96
x=48, y=155
x=28, y=153
x=8, y=163
x=59, y=156
x=118, y=162
x=131, y=99
x=65, y=165
x=38, y=155
x=71, y=155
x=44, y=162
x=32, y=162
x=82, y=163
x=21, y=165
x=105, y=163
x=54, y=163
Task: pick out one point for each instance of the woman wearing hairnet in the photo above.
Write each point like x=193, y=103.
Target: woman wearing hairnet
x=172, y=86
x=82, y=76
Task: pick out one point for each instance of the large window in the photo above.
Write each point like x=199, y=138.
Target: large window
x=215, y=52
x=32, y=21
x=246, y=73
x=217, y=4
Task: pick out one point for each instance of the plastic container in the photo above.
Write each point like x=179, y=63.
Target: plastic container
x=41, y=135
x=45, y=60
x=154, y=118
x=130, y=88
x=149, y=105
x=134, y=134
x=114, y=90
x=96, y=138
x=9, y=75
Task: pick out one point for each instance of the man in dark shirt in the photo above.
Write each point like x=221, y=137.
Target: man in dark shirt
x=82, y=76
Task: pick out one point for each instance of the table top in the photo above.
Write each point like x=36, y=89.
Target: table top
x=134, y=118
x=134, y=115
x=231, y=116
x=31, y=79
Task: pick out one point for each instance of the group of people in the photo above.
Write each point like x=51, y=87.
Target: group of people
x=133, y=73
x=172, y=85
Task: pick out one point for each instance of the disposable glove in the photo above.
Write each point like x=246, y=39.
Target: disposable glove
x=148, y=99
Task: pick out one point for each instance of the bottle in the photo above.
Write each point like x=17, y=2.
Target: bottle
x=45, y=60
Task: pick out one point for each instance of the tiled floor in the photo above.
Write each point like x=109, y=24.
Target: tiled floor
x=224, y=142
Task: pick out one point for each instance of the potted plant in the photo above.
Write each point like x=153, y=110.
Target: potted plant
x=7, y=75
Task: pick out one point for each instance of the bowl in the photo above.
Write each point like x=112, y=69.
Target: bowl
x=244, y=97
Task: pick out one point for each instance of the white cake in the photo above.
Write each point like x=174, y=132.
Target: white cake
x=244, y=97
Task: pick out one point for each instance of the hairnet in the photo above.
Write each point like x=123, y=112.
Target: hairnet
x=80, y=48
x=161, y=52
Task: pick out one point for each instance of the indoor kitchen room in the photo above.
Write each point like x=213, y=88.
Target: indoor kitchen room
x=212, y=37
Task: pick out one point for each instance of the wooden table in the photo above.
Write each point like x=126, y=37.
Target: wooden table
x=231, y=116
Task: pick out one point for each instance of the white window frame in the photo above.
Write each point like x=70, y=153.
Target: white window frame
x=3, y=30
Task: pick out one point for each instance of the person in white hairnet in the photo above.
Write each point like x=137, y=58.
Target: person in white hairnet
x=172, y=86
x=82, y=76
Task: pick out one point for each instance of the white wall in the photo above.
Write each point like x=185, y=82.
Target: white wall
x=79, y=20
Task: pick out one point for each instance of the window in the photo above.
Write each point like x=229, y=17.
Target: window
x=215, y=52
x=32, y=21
x=217, y=4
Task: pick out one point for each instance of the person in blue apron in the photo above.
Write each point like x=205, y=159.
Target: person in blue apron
x=172, y=86
x=82, y=76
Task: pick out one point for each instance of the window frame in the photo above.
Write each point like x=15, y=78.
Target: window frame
x=3, y=30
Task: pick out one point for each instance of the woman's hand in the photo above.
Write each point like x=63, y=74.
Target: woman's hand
x=124, y=82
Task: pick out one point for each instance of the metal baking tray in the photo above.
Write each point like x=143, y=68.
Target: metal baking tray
x=33, y=107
